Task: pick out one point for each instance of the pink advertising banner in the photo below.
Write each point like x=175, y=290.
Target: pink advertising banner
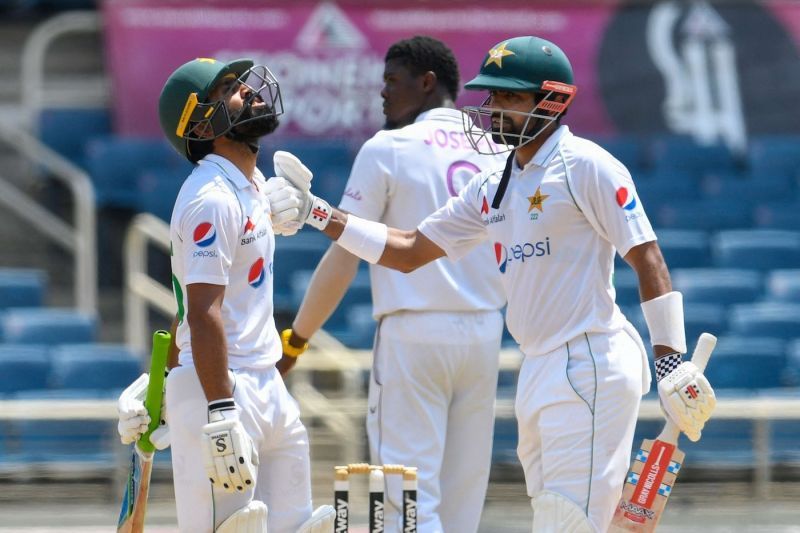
x=640, y=69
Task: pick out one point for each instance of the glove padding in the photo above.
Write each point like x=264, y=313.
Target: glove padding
x=133, y=416
x=313, y=210
x=687, y=398
x=286, y=202
x=229, y=455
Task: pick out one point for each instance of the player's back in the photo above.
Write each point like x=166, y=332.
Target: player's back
x=400, y=177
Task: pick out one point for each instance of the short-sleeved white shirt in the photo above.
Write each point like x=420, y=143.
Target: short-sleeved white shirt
x=563, y=217
x=221, y=234
x=401, y=176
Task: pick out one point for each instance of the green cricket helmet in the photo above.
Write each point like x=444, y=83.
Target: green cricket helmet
x=522, y=64
x=190, y=120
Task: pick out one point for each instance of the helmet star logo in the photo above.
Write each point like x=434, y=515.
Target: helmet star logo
x=497, y=54
x=537, y=200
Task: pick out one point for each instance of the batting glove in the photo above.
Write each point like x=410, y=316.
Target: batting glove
x=229, y=455
x=313, y=210
x=133, y=416
x=686, y=395
x=285, y=202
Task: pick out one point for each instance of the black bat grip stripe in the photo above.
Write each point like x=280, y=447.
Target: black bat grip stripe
x=501, y=188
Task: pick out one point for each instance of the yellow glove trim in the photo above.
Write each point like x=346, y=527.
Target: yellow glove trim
x=288, y=349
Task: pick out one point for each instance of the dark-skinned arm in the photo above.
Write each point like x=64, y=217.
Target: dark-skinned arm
x=174, y=351
x=405, y=251
x=209, y=347
x=654, y=280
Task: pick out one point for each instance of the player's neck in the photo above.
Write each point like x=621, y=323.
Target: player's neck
x=239, y=154
x=525, y=153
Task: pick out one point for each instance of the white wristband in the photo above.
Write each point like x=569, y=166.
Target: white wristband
x=364, y=238
x=664, y=317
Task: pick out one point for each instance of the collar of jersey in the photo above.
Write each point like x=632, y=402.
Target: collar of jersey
x=547, y=152
x=439, y=112
x=228, y=170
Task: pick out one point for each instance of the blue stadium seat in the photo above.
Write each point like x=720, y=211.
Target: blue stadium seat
x=630, y=151
x=748, y=363
x=768, y=319
x=734, y=187
x=360, y=327
x=158, y=189
x=329, y=160
x=22, y=287
x=665, y=188
x=626, y=283
x=774, y=156
x=724, y=443
x=699, y=318
x=679, y=152
x=94, y=367
x=23, y=367
x=504, y=444
x=708, y=215
x=777, y=215
x=685, y=248
x=717, y=285
x=758, y=249
x=784, y=286
x=47, y=326
x=294, y=254
x=793, y=363
x=115, y=163
x=67, y=130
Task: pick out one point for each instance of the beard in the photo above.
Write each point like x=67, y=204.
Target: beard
x=505, y=132
x=252, y=124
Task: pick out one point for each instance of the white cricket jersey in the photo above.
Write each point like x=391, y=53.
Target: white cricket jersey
x=221, y=233
x=401, y=176
x=563, y=217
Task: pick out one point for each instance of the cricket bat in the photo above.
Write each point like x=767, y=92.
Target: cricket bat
x=652, y=475
x=134, y=501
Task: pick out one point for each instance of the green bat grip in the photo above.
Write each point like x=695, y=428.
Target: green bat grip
x=155, y=389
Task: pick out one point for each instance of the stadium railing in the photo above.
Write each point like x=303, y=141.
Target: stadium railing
x=79, y=240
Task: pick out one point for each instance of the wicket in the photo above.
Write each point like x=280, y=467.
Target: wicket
x=376, y=474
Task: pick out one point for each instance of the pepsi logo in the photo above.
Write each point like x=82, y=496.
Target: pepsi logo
x=626, y=199
x=256, y=275
x=501, y=254
x=205, y=234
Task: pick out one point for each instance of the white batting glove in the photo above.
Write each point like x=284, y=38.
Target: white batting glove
x=313, y=210
x=133, y=417
x=285, y=201
x=686, y=395
x=229, y=455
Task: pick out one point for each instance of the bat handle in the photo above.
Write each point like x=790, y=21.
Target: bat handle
x=702, y=352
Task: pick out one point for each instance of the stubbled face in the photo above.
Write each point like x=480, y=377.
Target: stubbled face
x=512, y=123
x=236, y=95
x=402, y=93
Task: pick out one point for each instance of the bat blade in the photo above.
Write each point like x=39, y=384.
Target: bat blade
x=648, y=485
x=655, y=468
x=137, y=488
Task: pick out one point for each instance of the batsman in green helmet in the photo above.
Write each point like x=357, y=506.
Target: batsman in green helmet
x=557, y=213
x=240, y=452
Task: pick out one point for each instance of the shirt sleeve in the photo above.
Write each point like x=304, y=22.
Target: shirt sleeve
x=606, y=194
x=209, y=226
x=457, y=226
x=370, y=185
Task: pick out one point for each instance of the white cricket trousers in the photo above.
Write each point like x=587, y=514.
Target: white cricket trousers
x=576, y=409
x=271, y=417
x=431, y=405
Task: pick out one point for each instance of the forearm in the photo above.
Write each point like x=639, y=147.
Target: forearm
x=330, y=282
x=210, y=353
x=403, y=250
x=654, y=282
